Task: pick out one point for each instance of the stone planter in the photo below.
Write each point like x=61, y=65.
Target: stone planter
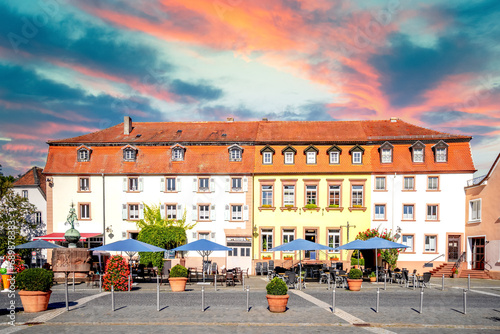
x=35, y=301
x=373, y=279
x=277, y=304
x=354, y=284
x=177, y=284
x=455, y=275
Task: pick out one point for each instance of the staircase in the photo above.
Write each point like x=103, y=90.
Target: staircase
x=445, y=269
x=474, y=274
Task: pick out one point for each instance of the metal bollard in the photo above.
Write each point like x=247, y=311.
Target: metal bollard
x=333, y=299
x=421, y=300
x=468, y=282
x=203, y=299
x=414, y=281
x=465, y=301
x=442, y=283
x=243, y=277
x=248, y=297
x=128, y=282
x=385, y=282
x=113, y=297
x=378, y=299
x=215, y=282
x=100, y=283
x=67, y=298
x=73, y=282
x=328, y=279
x=157, y=293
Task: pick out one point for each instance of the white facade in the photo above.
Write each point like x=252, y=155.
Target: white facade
x=36, y=197
x=426, y=229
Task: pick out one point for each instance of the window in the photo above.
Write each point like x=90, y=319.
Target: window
x=289, y=195
x=129, y=154
x=334, y=239
x=475, y=210
x=133, y=184
x=441, y=154
x=171, y=184
x=178, y=154
x=289, y=158
x=171, y=211
x=235, y=154
x=83, y=155
x=409, y=183
x=380, y=211
x=236, y=184
x=334, y=157
x=432, y=183
x=357, y=196
x=288, y=236
x=311, y=194
x=430, y=243
x=203, y=212
x=334, y=196
x=203, y=235
x=311, y=157
x=38, y=217
x=133, y=211
x=418, y=155
x=84, y=211
x=267, y=195
x=236, y=212
x=267, y=158
x=267, y=240
x=408, y=241
x=25, y=193
x=380, y=183
x=432, y=212
x=408, y=212
x=356, y=157
x=84, y=184
x=203, y=184
x=386, y=155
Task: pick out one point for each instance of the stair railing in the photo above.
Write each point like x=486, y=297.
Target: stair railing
x=429, y=264
x=457, y=264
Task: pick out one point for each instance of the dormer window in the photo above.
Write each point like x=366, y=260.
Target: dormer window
x=441, y=151
x=267, y=155
x=311, y=153
x=386, y=153
x=417, y=152
x=178, y=152
x=129, y=154
x=334, y=154
x=289, y=155
x=235, y=153
x=357, y=155
x=83, y=153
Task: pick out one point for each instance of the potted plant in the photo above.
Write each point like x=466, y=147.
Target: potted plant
x=310, y=206
x=333, y=206
x=455, y=272
x=354, y=279
x=372, y=277
x=34, y=285
x=288, y=257
x=277, y=296
x=178, y=278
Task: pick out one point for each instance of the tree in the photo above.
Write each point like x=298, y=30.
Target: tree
x=388, y=255
x=5, y=184
x=152, y=216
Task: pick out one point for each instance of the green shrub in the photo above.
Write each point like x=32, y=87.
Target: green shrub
x=311, y=206
x=355, y=274
x=333, y=206
x=35, y=279
x=372, y=274
x=354, y=262
x=277, y=287
x=178, y=271
x=167, y=237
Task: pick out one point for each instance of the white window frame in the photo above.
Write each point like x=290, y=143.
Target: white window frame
x=357, y=195
x=171, y=184
x=267, y=194
x=334, y=239
x=130, y=154
x=289, y=195
x=235, y=154
x=289, y=158
x=287, y=236
x=311, y=157
x=132, y=210
x=311, y=194
x=475, y=210
x=441, y=153
x=386, y=155
x=335, y=191
x=38, y=217
x=235, y=213
x=204, y=212
x=429, y=243
x=357, y=157
x=334, y=157
x=379, y=211
x=234, y=184
x=204, y=235
x=171, y=211
x=201, y=187
x=85, y=211
x=406, y=186
x=267, y=158
x=83, y=154
x=177, y=154
x=131, y=186
x=410, y=242
x=418, y=155
x=377, y=183
x=408, y=215
x=432, y=185
x=24, y=194
x=266, y=234
x=84, y=184
x=433, y=213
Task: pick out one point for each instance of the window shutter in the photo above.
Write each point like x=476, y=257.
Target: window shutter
x=124, y=211
x=178, y=184
x=141, y=211
x=213, y=235
x=141, y=184
x=194, y=213
x=162, y=184
x=195, y=184
x=212, y=212
x=226, y=212
x=162, y=211
x=194, y=235
x=179, y=211
x=212, y=185
x=125, y=184
x=228, y=184
x=245, y=212
x=245, y=184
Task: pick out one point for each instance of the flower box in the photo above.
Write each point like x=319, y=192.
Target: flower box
x=266, y=257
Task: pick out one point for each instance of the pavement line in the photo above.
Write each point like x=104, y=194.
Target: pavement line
x=477, y=291
x=339, y=313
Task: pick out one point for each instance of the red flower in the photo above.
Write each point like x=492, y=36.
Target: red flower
x=378, y=254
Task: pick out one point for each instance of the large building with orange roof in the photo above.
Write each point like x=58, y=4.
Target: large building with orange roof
x=255, y=185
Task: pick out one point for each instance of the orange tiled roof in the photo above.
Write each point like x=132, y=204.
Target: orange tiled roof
x=33, y=177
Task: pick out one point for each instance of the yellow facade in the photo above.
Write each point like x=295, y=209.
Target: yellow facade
x=279, y=220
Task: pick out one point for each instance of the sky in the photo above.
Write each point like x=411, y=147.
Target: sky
x=72, y=67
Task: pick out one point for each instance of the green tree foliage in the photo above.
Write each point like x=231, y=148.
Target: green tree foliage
x=388, y=255
x=152, y=216
x=5, y=184
x=167, y=237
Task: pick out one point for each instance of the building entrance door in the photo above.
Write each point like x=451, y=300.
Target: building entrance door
x=310, y=236
x=477, y=245
x=453, y=248
x=239, y=256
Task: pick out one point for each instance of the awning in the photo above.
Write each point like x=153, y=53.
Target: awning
x=60, y=236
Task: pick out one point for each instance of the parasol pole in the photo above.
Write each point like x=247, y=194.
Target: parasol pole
x=376, y=263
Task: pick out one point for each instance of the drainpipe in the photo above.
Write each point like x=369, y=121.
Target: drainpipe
x=392, y=218
x=103, y=211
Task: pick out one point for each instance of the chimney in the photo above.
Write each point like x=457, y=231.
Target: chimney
x=265, y=119
x=229, y=119
x=127, y=125
x=394, y=119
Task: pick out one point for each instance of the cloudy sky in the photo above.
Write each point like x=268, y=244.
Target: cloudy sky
x=72, y=67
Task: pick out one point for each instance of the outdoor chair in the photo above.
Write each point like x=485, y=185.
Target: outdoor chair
x=265, y=269
x=341, y=279
x=270, y=270
x=238, y=276
x=422, y=282
x=291, y=280
x=214, y=269
x=258, y=268
x=229, y=278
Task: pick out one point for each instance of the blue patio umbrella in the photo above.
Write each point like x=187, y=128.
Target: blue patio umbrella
x=204, y=248
x=300, y=245
x=39, y=244
x=356, y=244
